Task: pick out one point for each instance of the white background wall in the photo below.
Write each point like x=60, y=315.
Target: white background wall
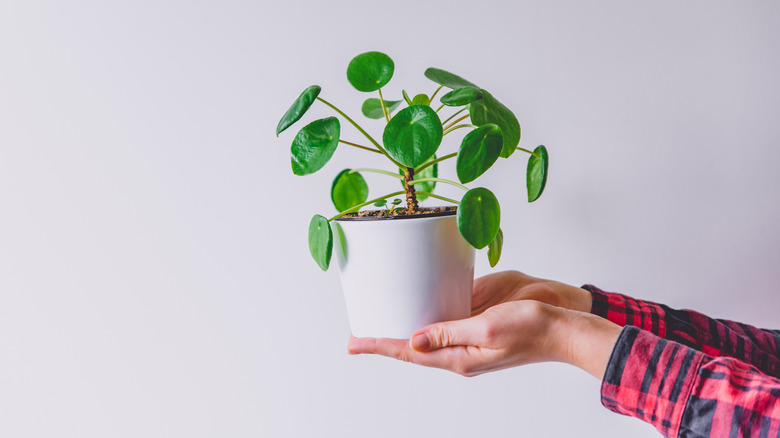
x=154, y=274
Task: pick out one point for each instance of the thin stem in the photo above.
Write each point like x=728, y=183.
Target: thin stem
x=441, y=180
x=439, y=108
x=358, y=207
x=451, y=117
x=438, y=160
x=458, y=127
x=383, y=172
x=435, y=93
x=439, y=197
x=360, y=146
x=384, y=109
x=526, y=150
x=362, y=131
x=455, y=122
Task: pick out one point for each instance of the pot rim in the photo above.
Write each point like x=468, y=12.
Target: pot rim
x=385, y=218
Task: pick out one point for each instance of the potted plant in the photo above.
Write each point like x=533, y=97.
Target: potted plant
x=430, y=249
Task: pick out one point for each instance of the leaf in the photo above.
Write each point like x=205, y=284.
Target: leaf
x=479, y=149
x=314, y=145
x=413, y=135
x=406, y=98
x=421, y=99
x=536, y=174
x=320, y=241
x=370, y=71
x=348, y=190
x=479, y=217
x=447, y=79
x=461, y=96
x=396, y=201
x=298, y=108
x=489, y=110
x=372, y=107
x=427, y=186
x=494, y=248
x=381, y=203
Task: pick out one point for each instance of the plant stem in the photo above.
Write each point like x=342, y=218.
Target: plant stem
x=411, y=195
x=439, y=108
x=383, y=172
x=362, y=131
x=455, y=122
x=384, y=109
x=451, y=117
x=358, y=207
x=458, y=127
x=526, y=150
x=441, y=180
x=435, y=93
x=360, y=146
x=439, y=197
x=438, y=160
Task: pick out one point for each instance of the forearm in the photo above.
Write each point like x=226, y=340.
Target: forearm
x=586, y=340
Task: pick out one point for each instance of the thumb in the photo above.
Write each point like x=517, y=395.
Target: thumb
x=445, y=334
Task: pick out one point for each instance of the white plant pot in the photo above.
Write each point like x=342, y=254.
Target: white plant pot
x=402, y=273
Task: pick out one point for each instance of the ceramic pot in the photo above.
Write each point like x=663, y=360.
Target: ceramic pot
x=400, y=273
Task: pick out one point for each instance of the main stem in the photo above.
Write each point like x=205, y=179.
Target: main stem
x=411, y=195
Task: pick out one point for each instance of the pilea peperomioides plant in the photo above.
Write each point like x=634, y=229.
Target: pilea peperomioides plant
x=410, y=141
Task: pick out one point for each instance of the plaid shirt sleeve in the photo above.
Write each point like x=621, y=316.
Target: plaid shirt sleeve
x=713, y=337
x=685, y=393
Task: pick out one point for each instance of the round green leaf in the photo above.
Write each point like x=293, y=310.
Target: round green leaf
x=370, y=71
x=489, y=110
x=372, y=107
x=348, y=190
x=479, y=149
x=427, y=186
x=494, y=248
x=421, y=99
x=479, y=217
x=406, y=98
x=298, y=108
x=320, y=241
x=536, y=174
x=381, y=203
x=461, y=96
x=413, y=135
x=447, y=79
x=314, y=145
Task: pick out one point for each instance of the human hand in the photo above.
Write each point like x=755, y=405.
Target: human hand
x=503, y=287
x=503, y=336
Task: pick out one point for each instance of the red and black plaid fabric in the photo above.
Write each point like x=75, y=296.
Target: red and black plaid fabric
x=690, y=375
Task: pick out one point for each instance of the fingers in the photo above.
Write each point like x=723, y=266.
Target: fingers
x=469, y=331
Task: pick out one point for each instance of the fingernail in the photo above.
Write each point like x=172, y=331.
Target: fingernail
x=421, y=342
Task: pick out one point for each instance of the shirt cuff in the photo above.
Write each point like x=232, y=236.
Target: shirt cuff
x=650, y=378
x=624, y=310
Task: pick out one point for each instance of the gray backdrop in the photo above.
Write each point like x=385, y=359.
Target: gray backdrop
x=154, y=274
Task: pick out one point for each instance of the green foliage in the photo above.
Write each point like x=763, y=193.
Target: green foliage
x=421, y=99
x=320, y=241
x=494, y=248
x=411, y=139
x=478, y=151
x=413, y=135
x=298, y=108
x=370, y=71
x=479, y=217
x=348, y=190
x=536, y=173
x=490, y=110
x=461, y=96
x=447, y=79
x=372, y=107
x=314, y=145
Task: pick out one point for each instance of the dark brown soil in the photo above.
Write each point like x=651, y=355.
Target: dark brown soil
x=400, y=212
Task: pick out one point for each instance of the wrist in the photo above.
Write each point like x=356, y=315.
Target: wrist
x=586, y=341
